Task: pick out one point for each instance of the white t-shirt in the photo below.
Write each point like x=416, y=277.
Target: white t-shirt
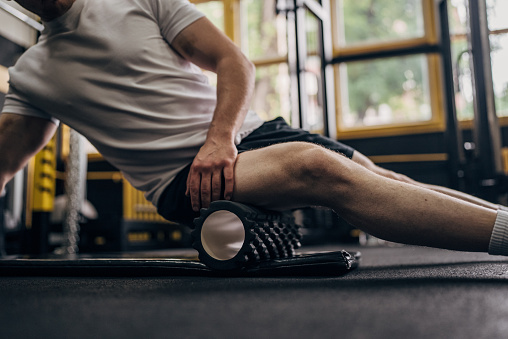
x=107, y=69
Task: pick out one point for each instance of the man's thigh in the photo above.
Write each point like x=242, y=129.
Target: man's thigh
x=292, y=175
x=263, y=177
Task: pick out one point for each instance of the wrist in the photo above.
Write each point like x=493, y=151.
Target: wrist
x=221, y=136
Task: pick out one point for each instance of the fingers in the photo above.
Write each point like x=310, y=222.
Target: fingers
x=229, y=181
x=211, y=187
x=216, y=185
x=211, y=175
x=193, y=189
x=206, y=189
x=203, y=187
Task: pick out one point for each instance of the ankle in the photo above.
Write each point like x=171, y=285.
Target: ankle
x=499, y=239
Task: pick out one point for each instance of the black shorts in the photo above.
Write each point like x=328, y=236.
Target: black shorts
x=175, y=206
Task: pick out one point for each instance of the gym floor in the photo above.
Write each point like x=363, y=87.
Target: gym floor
x=396, y=292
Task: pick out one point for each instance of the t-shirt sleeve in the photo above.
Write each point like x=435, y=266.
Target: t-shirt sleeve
x=16, y=104
x=174, y=15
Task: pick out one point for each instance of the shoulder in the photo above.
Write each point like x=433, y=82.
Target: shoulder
x=174, y=15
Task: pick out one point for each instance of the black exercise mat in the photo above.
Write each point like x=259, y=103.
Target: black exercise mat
x=303, y=264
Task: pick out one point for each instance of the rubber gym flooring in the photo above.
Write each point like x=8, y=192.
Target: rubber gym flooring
x=396, y=292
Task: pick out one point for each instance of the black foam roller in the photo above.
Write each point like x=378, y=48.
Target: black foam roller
x=268, y=235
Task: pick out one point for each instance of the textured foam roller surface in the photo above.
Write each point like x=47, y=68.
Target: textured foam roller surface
x=255, y=235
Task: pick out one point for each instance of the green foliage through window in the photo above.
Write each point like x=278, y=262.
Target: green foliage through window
x=369, y=21
x=385, y=91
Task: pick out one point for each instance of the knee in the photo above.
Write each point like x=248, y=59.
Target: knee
x=394, y=175
x=314, y=164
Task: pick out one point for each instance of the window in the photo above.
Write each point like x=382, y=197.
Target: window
x=313, y=76
x=263, y=40
x=496, y=11
x=499, y=54
x=382, y=85
x=378, y=21
x=457, y=13
x=398, y=93
x=214, y=11
x=261, y=34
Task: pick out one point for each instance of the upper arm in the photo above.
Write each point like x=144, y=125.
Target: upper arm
x=205, y=45
x=21, y=137
x=27, y=134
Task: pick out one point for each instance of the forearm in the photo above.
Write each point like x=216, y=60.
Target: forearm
x=216, y=159
x=204, y=45
x=21, y=138
x=235, y=84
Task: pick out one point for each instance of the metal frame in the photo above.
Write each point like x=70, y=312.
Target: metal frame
x=297, y=55
x=453, y=134
x=486, y=132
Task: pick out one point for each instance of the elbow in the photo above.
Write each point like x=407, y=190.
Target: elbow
x=250, y=66
x=244, y=63
x=249, y=69
x=237, y=65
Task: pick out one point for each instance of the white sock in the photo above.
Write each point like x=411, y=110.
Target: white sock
x=499, y=239
x=502, y=208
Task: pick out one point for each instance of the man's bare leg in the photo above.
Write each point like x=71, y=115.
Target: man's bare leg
x=367, y=163
x=293, y=175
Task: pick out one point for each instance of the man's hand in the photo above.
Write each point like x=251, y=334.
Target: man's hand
x=211, y=173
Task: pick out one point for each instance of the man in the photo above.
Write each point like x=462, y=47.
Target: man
x=125, y=73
